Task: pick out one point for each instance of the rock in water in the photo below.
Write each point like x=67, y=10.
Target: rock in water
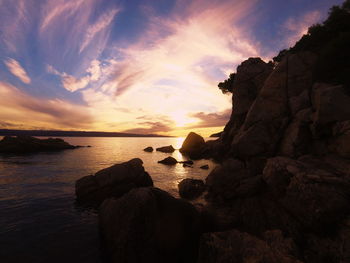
x=148, y=149
x=166, y=149
x=191, y=188
x=204, y=167
x=113, y=181
x=168, y=161
x=193, y=146
x=149, y=225
x=28, y=144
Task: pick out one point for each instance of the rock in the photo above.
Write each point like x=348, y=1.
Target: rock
x=186, y=165
x=269, y=115
x=168, y=161
x=188, y=162
x=148, y=149
x=191, y=188
x=340, y=141
x=298, y=103
x=193, y=146
x=27, y=144
x=204, y=167
x=166, y=149
x=238, y=247
x=149, y=225
x=218, y=134
x=113, y=181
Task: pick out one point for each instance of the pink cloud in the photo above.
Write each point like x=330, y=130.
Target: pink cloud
x=17, y=70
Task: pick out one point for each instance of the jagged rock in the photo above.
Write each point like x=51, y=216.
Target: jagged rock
x=113, y=181
x=340, y=141
x=238, y=247
x=250, y=78
x=204, y=167
x=298, y=103
x=269, y=114
x=191, y=188
x=149, y=225
x=168, y=161
x=27, y=144
x=193, y=146
x=148, y=149
x=218, y=134
x=166, y=149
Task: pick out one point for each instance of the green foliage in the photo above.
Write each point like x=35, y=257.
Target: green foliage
x=227, y=85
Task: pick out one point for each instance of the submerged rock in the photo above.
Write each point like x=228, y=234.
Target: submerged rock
x=149, y=225
x=193, y=146
x=204, y=167
x=148, y=149
x=191, y=188
x=166, y=149
x=113, y=181
x=28, y=144
x=168, y=161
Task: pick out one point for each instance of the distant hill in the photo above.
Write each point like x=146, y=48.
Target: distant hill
x=49, y=133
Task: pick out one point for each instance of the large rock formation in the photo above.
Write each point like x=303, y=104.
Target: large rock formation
x=28, y=144
x=149, y=225
x=113, y=181
x=193, y=146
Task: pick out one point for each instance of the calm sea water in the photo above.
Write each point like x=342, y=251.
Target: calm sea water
x=39, y=220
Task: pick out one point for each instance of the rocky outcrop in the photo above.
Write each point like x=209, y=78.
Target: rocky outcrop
x=113, y=181
x=238, y=247
x=168, y=161
x=149, y=225
x=191, y=188
x=166, y=149
x=148, y=149
x=27, y=144
x=193, y=146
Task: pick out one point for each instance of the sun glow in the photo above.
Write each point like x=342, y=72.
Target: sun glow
x=181, y=119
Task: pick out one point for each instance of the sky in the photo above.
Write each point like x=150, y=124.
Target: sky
x=137, y=66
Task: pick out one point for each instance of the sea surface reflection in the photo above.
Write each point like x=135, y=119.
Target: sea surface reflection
x=39, y=221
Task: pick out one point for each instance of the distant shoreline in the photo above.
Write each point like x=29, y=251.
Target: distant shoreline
x=48, y=133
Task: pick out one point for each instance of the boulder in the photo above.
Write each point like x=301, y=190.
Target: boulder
x=113, y=181
x=27, y=144
x=340, y=141
x=149, y=225
x=166, y=149
x=168, y=161
x=191, y=188
x=193, y=146
x=148, y=149
x=234, y=246
x=204, y=167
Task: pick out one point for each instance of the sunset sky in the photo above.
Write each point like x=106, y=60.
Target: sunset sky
x=148, y=66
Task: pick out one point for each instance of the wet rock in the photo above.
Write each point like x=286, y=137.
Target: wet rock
x=168, y=161
x=27, y=144
x=238, y=247
x=187, y=165
x=148, y=149
x=189, y=162
x=149, y=225
x=204, y=167
x=113, y=181
x=191, y=188
x=166, y=149
x=193, y=146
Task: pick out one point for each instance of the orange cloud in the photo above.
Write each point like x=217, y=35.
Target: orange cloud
x=17, y=70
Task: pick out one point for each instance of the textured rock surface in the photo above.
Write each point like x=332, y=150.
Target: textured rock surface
x=191, y=188
x=113, y=181
x=149, y=225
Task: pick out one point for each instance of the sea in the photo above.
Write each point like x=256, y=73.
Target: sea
x=39, y=218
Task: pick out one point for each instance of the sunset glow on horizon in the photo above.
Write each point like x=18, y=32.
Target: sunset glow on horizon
x=135, y=66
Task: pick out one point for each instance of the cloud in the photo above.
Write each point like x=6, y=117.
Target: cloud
x=211, y=119
x=150, y=128
x=16, y=69
x=296, y=27
x=19, y=107
x=102, y=23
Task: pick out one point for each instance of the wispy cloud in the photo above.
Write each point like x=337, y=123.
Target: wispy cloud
x=17, y=70
x=103, y=22
x=218, y=119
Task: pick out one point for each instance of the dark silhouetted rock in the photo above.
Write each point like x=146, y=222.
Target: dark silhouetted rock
x=148, y=149
x=189, y=162
x=193, y=146
x=216, y=134
x=204, y=167
x=187, y=165
x=168, y=161
x=149, y=225
x=191, y=188
x=28, y=144
x=166, y=149
x=238, y=247
x=113, y=181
